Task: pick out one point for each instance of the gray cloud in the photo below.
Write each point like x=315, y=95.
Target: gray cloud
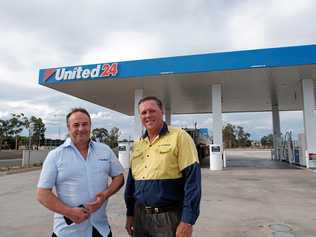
x=40, y=34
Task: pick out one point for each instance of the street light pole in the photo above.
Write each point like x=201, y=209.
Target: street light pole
x=30, y=144
x=58, y=133
x=28, y=158
x=58, y=129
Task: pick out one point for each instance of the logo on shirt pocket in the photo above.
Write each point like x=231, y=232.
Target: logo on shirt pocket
x=164, y=149
x=102, y=165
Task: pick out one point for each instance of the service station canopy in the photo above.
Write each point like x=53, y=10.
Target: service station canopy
x=252, y=80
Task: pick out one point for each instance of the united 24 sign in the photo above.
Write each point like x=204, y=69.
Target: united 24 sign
x=82, y=72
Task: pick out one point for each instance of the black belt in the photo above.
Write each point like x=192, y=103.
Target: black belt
x=157, y=210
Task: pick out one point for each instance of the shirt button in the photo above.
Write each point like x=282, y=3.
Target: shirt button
x=149, y=145
x=143, y=177
x=145, y=166
x=147, y=155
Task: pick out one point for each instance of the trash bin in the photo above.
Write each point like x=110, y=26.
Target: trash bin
x=216, y=154
x=123, y=153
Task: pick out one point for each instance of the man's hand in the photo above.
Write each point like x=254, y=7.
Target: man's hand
x=95, y=205
x=184, y=230
x=49, y=200
x=78, y=215
x=115, y=185
x=129, y=225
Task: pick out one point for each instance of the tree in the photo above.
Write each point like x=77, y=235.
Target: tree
x=267, y=141
x=4, y=131
x=38, y=131
x=113, y=137
x=242, y=137
x=229, y=136
x=109, y=138
x=100, y=135
x=24, y=140
x=10, y=130
x=15, y=125
x=235, y=137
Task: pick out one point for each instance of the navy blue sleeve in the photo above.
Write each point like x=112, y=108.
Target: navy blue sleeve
x=192, y=193
x=129, y=194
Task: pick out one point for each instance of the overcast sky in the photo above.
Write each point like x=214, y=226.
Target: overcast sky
x=52, y=33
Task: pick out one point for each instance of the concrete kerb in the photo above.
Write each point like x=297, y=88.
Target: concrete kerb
x=19, y=170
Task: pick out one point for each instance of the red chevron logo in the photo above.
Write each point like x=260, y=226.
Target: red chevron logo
x=48, y=73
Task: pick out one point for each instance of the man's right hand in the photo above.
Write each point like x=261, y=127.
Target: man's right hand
x=47, y=198
x=129, y=225
x=78, y=214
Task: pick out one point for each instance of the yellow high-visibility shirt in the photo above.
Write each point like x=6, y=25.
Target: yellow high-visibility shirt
x=165, y=157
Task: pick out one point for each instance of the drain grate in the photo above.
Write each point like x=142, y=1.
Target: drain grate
x=283, y=234
x=283, y=230
x=280, y=228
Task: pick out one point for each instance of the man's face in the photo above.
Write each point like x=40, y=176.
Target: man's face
x=79, y=127
x=151, y=115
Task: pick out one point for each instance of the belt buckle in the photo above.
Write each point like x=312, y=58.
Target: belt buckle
x=152, y=209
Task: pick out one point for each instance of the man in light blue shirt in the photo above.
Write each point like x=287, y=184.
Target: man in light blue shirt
x=79, y=170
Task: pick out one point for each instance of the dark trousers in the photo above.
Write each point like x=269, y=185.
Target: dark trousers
x=157, y=224
x=95, y=233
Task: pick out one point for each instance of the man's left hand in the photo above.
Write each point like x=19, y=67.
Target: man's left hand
x=95, y=205
x=184, y=230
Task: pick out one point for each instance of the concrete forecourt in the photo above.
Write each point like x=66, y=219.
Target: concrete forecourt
x=252, y=197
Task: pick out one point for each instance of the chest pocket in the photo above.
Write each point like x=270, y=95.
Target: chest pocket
x=102, y=165
x=166, y=163
x=164, y=157
x=137, y=163
x=166, y=152
x=164, y=149
x=137, y=153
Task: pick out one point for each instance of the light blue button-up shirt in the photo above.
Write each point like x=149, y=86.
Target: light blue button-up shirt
x=77, y=181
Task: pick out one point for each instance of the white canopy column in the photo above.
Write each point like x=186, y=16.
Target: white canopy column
x=138, y=94
x=168, y=115
x=217, y=114
x=276, y=131
x=309, y=114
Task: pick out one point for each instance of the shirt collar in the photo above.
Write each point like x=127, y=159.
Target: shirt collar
x=162, y=131
x=68, y=142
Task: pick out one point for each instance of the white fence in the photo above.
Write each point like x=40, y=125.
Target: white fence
x=32, y=157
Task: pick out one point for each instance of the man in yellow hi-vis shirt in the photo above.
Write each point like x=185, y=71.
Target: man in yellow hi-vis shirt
x=163, y=188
